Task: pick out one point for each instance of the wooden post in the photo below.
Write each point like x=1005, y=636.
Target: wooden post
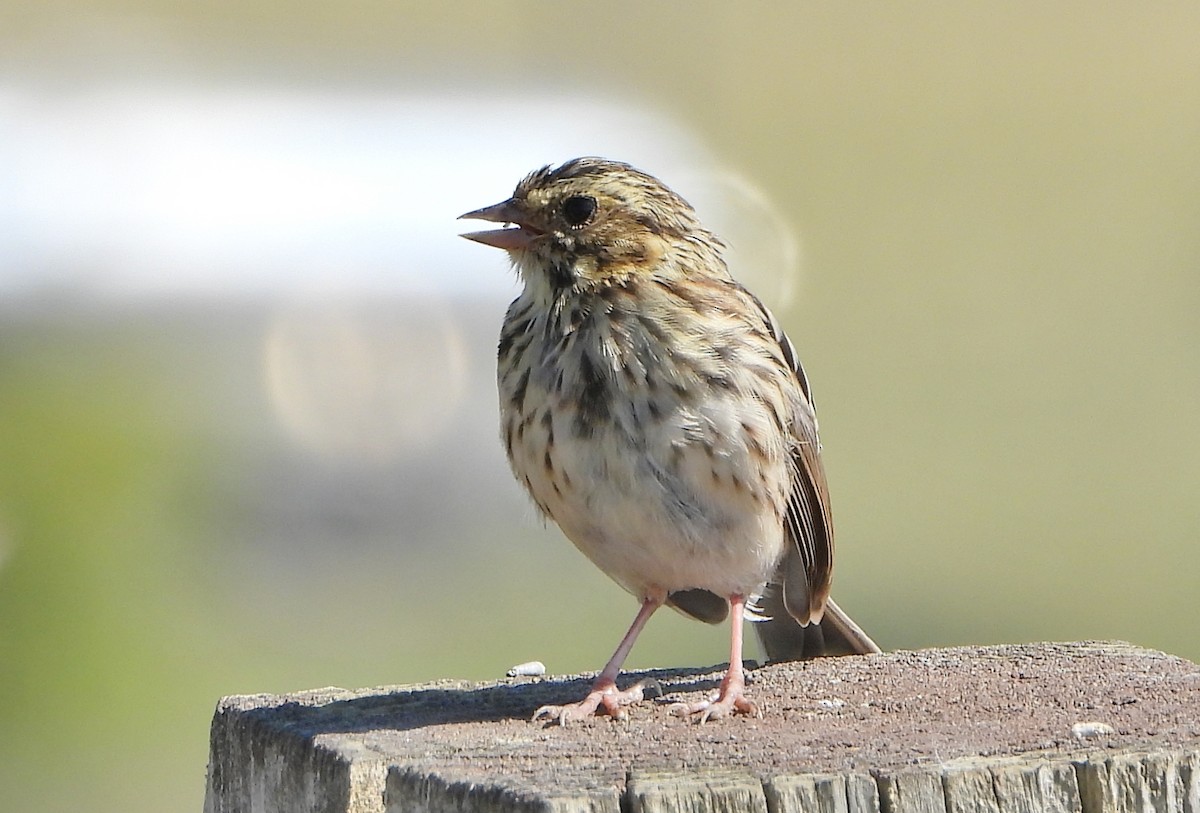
x=1079, y=727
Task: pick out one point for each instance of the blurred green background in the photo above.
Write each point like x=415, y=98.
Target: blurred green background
x=218, y=477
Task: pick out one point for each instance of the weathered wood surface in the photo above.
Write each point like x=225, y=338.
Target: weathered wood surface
x=1082, y=727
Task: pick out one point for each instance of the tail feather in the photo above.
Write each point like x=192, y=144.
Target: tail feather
x=785, y=640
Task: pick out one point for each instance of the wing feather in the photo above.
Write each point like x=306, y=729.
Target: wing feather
x=805, y=574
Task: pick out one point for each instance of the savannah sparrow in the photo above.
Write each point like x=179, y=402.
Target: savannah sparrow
x=655, y=410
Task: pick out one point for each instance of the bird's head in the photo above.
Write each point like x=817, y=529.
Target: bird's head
x=590, y=222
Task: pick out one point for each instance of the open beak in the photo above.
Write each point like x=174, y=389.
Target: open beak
x=507, y=239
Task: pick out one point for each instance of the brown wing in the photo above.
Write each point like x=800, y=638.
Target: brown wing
x=805, y=573
x=807, y=567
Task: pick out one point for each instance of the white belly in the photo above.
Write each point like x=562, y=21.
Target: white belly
x=674, y=504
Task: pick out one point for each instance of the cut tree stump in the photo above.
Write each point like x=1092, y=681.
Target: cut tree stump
x=1092, y=727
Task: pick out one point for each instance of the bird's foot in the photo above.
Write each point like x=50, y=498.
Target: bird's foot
x=604, y=699
x=727, y=701
x=718, y=707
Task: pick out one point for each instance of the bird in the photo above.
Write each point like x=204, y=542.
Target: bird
x=655, y=410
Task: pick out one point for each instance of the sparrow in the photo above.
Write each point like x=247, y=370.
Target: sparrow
x=656, y=411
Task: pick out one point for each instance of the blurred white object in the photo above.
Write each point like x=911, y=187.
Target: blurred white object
x=167, y=190
x=527, y=669
x=1084, y=731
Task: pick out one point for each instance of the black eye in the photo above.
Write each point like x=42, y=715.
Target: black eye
x=578, y=210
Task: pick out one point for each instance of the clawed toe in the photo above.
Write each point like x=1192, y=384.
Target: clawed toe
x=607, y=700
x=717, y=708
x=566, y=713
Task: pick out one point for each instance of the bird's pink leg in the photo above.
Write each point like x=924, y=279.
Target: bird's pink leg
x=731, y=697
x=605, y=697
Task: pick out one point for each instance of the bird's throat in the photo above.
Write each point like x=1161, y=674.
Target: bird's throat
x=560, y=275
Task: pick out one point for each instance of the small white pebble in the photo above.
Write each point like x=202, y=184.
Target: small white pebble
x=830, y=705
x=1084, y=731
x=528, y=669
